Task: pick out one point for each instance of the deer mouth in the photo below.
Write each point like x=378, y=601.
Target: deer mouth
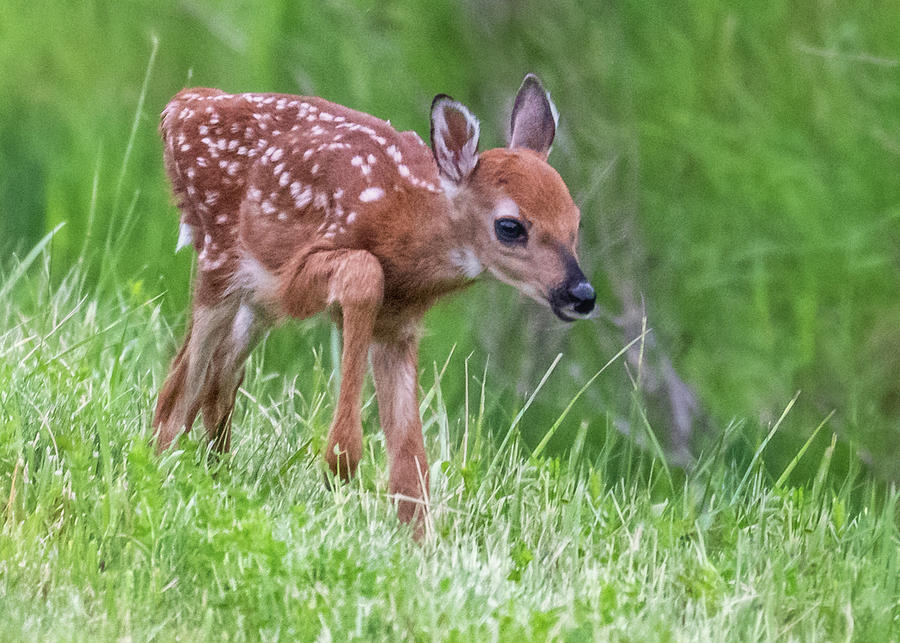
x=572, y=302
x=570, y=314
x=563, y=313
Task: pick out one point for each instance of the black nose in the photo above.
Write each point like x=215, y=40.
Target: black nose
x=583, y=297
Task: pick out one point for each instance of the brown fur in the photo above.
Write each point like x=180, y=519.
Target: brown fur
x=297, y=205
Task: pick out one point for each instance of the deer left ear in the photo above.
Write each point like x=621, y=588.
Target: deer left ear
x=534, y=118
x=454, y=138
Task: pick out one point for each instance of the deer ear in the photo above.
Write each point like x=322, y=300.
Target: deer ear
x=534, y=118
x=454, y=138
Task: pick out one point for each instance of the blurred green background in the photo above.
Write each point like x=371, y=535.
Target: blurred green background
x=736, y=163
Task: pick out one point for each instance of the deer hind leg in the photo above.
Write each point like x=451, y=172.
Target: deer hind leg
x=181, y=395
x=225, y=374
x=354, y=280
x=394, y=365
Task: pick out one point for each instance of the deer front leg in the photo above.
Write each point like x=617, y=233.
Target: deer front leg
x=395, y=368
x=354, y=280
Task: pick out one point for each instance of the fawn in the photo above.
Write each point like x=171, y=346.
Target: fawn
x=295, y=205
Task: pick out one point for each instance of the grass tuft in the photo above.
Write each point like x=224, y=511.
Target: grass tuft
x=100, y=538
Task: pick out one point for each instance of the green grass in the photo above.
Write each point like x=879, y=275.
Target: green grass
x=735, y=165
x=101, y=539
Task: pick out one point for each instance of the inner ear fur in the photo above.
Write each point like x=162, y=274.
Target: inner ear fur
x=534, y=118
x=454, y=137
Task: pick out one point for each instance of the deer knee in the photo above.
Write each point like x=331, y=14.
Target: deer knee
x=357, y=282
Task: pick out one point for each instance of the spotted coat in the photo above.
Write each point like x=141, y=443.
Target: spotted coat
x=261, y=178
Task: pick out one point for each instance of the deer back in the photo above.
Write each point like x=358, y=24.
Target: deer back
x=273, y=176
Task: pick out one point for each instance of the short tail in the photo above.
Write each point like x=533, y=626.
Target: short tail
x=185, y=236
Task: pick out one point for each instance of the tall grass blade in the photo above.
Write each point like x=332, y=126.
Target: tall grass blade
x=92, y=210
x=562, y=416
x=23, y=265
x=793, y=463
x=824, y=466
x=129, y=147
x=761, y=448
x=524, y=408
x=654, y=442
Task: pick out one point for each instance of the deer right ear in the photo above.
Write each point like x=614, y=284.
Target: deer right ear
x=534, y=118
x=454, y=138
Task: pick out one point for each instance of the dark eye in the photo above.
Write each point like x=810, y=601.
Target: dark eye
x=510, y=230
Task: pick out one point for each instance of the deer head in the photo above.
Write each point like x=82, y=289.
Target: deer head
x=522, y=219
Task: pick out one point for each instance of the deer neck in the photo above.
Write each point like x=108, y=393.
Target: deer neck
x=461, y=235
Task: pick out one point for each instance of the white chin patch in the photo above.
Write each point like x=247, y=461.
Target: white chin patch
x=466, y=262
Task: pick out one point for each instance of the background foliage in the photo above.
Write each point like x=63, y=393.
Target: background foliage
x=736, y=164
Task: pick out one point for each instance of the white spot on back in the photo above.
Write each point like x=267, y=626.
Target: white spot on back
x=371, y=194
x=394, y=153
x=302, y=194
